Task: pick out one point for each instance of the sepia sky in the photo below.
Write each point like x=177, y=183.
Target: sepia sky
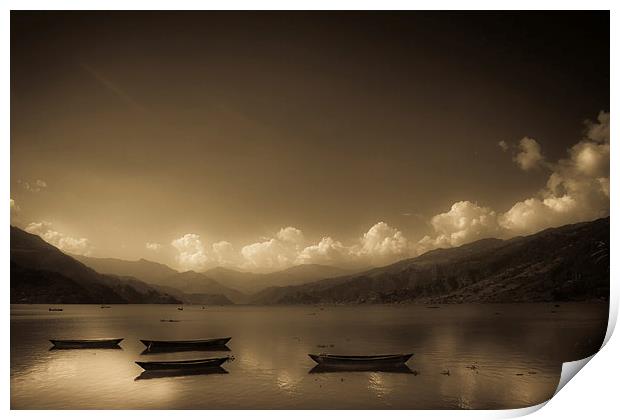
x=264, y=140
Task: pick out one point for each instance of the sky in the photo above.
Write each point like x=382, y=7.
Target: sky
x=263, y=140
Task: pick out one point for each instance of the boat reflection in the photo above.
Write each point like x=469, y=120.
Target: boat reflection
x=386, y=369
x=179, y=350
x=154, y=374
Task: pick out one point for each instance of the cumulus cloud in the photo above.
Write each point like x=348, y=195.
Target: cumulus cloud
x=70, y=244
x=464, y=222
x=530, y=155
x=382, y=244
x=224, y=254
x=274, y=253
x=153, y=246
x=291, y=235
x=35, y=186
x=327, y=252
x=576, y=190
x=191, y=252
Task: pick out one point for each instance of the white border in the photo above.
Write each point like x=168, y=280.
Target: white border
x=593, y=394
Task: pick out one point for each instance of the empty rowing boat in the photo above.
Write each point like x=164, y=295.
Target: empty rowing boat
x=375, y=360
x=184, y=364
x=184, y=344
x=98, y=343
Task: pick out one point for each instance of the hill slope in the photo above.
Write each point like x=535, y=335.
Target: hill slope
x=566, y=263
x=41, y=273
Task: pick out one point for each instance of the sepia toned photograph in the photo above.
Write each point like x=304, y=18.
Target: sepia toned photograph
x=308, y=210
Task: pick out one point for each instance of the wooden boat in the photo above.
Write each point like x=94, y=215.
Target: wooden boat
x=99, y=343
x=185, y=344
x=375, y=360
x=55, y=309
x=184, y=364
x=180, y=308
x=105, y=306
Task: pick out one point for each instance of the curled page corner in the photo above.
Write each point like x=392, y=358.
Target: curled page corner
x=570, y=369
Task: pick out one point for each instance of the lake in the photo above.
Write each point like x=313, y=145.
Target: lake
x=517, y=349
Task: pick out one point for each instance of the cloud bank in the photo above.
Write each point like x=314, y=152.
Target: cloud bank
x=381, y=244
x=577, y=189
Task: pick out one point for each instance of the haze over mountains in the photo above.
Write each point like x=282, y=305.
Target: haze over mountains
x=253, y=282
x=235, y=285
x=161, y=275
x=566, y=263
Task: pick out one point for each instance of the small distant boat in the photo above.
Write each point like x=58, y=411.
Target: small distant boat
x=185, y=344
x=105, y=306
x=99, y=343
x=376, y=360
x=184, y=364
x=180, y=308
x=55, y=309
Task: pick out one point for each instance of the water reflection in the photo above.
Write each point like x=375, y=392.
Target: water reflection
x=272, y=365
x=154, y=374
x=385, y=369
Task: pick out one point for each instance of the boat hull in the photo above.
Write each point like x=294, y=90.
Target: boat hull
x=361, y=361
x=87, y=344
x=191, y=365
x=157, y=345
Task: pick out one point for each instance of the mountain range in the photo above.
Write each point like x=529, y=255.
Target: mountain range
x=41, y=273
x=164, y=277
x=565, y=263
x=558, y=264
x=235, y=285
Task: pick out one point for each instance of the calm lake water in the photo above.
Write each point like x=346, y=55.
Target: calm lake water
x=518, y=348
